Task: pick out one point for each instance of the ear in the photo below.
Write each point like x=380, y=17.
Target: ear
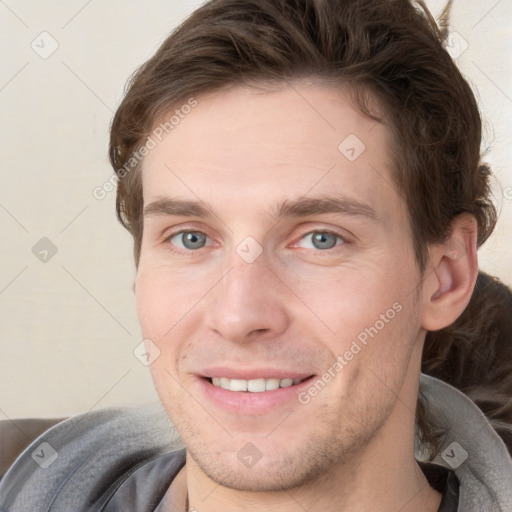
x=451, y=275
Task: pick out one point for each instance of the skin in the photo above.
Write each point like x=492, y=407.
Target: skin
x=241, y=151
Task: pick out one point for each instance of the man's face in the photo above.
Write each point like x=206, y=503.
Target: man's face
x=293, y=262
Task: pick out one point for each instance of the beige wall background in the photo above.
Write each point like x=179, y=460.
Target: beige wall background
x=68, y=326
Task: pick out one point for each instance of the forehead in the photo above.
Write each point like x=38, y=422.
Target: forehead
x=272, y=142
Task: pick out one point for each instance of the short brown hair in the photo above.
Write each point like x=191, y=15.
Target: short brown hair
x=391, y=50
x=386, y=47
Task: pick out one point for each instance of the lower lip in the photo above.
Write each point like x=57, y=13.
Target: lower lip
x=246, y=402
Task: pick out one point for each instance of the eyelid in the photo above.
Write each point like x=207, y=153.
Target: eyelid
x=175, y=230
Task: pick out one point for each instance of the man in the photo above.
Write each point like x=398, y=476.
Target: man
x=304, y=187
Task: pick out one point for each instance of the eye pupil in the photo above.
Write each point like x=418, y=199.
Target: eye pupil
x=193, y=239
x=324, y=240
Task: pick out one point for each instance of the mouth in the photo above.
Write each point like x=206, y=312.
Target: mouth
x=254, y=385
x=254, y=396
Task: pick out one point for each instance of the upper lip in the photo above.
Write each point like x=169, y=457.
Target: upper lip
x=252, y=373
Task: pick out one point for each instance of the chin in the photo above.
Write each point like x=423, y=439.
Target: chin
x=275, y=470
x=262, y=477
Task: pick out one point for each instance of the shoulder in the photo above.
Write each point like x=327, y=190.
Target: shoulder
x=470, y=447
x=82, y=458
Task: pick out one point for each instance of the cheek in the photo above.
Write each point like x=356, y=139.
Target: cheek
x=151, y=301
x=367, y=316
x=169, y=312
x=352, y=302
x=163, y=299
x=173, y=395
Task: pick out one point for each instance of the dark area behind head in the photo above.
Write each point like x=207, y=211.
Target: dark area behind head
x=474, y=354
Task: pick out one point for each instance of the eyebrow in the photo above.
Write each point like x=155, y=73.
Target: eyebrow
x=305, y=206
x=301, y=207
x=178, y=207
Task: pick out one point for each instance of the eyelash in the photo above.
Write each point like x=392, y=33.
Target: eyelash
x=190, y=252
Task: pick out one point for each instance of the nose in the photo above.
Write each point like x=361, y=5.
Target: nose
x=248, y=303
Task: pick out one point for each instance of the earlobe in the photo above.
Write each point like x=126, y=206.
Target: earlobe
x=453, y=271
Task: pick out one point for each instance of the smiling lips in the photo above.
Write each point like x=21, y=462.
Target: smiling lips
x=253, y=385
x=243, y=391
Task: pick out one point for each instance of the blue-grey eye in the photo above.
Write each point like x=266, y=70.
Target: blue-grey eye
x=322, y=240
x=189, y=239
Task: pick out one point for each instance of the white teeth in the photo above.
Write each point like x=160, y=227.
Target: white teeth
x=238, y=385
x=254, y=385
x=271, y=384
